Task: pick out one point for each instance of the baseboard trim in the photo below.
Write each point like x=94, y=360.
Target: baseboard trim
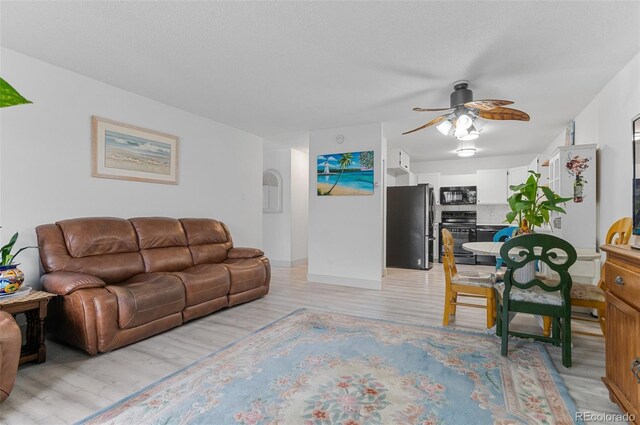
x=345, y=281
x=285, y=263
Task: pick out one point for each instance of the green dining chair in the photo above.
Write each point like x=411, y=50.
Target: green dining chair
x=544, y=298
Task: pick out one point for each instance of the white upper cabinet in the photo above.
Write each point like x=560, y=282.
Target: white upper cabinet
x=517, y=175
x=398, y=161
x=492, y=186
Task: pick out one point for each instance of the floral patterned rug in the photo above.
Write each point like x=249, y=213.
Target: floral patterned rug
x=315, y=368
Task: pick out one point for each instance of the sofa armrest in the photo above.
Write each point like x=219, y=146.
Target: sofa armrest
x=245, y=253
x=63, y=283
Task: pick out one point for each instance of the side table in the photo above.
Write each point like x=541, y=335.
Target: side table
x=34, y=307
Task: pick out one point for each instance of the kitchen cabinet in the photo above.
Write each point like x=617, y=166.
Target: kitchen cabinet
x=622, y=345
x=399, y=162
x=517, y=175
x=492, y=186
x=448, y=180
x=432, y=179
x=572, y=174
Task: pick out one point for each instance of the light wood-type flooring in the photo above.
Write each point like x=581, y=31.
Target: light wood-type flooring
x=71, y=384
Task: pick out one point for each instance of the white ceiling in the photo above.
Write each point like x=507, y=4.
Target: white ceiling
x=283, y=67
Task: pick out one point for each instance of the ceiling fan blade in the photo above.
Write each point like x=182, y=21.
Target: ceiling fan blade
x=431, y=109
x=504, y=114
x=432, y=122
x=487, y=104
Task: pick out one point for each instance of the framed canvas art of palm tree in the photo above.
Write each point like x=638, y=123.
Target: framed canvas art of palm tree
x=345, y=174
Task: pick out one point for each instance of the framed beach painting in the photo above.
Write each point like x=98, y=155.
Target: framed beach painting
x=126, y=152
x=345, y=174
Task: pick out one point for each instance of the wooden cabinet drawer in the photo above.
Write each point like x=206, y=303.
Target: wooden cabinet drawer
x=623, y=283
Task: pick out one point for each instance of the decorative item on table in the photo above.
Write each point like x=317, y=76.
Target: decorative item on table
x=126, y=152
x=576, y=166
x=11, y=277
x=531, y=204
x=348, y=173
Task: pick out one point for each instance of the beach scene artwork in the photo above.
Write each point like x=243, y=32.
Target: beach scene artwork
x=136, y=154
x=126, y=152
x=347, y=174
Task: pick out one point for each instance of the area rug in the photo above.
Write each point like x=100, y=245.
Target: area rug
x=317, y=368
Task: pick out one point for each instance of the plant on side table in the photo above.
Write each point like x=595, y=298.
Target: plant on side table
x=531, y=204
x=11, y=277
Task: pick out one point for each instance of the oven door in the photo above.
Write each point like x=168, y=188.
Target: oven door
x=461, y=235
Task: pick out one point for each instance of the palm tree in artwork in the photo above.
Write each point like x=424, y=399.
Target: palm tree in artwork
x=345, y=160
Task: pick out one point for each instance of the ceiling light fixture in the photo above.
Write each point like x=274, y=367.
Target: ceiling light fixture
x=466, y=149
x=466, y=152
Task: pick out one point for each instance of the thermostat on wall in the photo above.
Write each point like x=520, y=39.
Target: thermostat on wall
x=339, y=139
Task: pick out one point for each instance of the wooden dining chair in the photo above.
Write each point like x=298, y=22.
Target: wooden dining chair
x=467, y=284
x=537, y=296
x=592, y=296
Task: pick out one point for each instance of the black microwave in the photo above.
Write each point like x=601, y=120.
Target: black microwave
x=458, y=195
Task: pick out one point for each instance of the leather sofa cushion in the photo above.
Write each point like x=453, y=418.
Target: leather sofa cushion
x=159, y=232
x=112, y=268
x=246, y=274
x=209, y=240
x=201, y=231
x=96, y=236
x=10, y=345
x=147, y=297
x=205, y=282
x=166, y=259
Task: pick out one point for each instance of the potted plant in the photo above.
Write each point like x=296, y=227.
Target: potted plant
x=531, y=204
x=10, y=96
x=11, y=277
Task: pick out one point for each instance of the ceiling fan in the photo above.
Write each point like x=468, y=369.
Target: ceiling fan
x=460, y=119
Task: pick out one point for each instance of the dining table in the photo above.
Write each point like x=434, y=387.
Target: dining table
x=493, y=248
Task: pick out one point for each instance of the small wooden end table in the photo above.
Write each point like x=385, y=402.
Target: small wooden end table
x=34, y=307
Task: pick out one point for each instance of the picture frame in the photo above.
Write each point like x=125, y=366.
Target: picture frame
x=570, y=134
x=345, y=174
x=127, y=152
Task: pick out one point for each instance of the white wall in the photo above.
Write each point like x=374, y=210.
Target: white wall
x=299, y=205
x=471, y=165
x=285, y=234
x=276, y=227
x=346, y=232
x=606, y=121
x=46, y=161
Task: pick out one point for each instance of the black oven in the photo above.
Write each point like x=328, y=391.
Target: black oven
x=458, y=195
x=462, y=225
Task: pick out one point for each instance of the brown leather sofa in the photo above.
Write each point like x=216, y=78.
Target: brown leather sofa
x=120, y=281
x=10, y=346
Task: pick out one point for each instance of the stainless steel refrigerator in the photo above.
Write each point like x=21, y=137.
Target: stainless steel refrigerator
x=410, y=234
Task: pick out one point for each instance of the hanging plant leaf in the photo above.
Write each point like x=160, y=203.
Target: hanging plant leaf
x=10, y=96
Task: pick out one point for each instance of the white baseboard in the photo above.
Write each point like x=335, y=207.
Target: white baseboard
x=285, y=263
x=345, y=281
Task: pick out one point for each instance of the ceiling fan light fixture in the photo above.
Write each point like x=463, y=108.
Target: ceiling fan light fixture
x=460, y=132
x=464, y=121
x=444, y=127
x=473, y=135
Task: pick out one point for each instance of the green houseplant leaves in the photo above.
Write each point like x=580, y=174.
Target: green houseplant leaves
x=6, y=258
x=531, y=204
x=10, y=96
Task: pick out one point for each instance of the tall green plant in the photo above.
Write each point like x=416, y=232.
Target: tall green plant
x=10, y=96
x=531, y=204
x=6, y=258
